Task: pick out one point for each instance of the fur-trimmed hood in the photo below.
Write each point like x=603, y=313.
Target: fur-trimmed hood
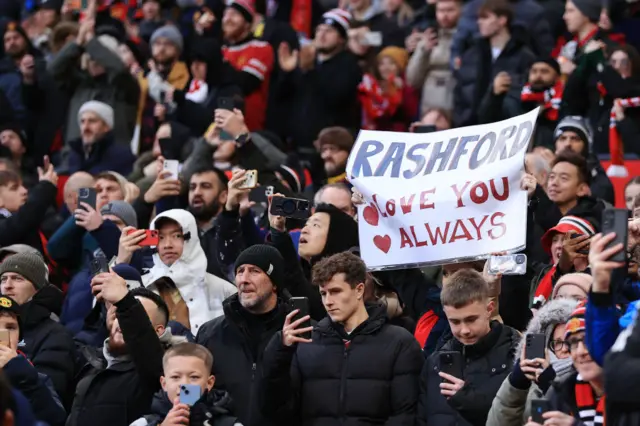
x=552, y=313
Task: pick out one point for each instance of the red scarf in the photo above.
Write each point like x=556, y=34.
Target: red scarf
x=591, y=412
x=376, y=102
x=549, y=99
x=544, y=289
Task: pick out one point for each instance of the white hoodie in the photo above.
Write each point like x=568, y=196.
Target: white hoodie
x=202, y=292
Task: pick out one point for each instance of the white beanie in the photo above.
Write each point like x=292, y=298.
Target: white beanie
x=104, y=111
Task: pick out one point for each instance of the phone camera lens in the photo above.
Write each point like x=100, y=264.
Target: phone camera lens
x=288, y=207
x=303, y=205
x=519, y=259
x=539, y=409
x=84, y=193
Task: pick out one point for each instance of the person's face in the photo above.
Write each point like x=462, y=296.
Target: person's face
x=545, y=153
x=571, y=141
x=150, y=10
x=335, y=159
x=47, y=17
x=107, y=191
x=14, y=44
x=313, y=236
x=199, y=70
x=540, y=175
x=470, y=323
x=92, y=128
x=490, y=23
x=226, y=150
x=392, y=6
x=171, y=243
x=447, y=13
x=341, y=300
x=185, y=370
x=387, y=68
x=630, y=193
x=255, y=289
x=339, y=198
x=94, y=68
x=586, y=367
x=126, y=55
x=115, y=219
x=570, y=291
x=164, y=51
x=434, y=118
x=206, y=195
x=327, y=38
x=10, y=323
x=11, y=140
x=13, y=196
x=564, y=185
x=561, y=351
x=117, y=344
x=541, y=76
x=233, y=24
x=17, y=287
x=573, y=18
x=556, y=247
x=619, y=60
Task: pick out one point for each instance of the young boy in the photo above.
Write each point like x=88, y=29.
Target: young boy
x=189, y=364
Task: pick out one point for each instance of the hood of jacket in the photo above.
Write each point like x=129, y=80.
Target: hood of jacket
x=342, y=234
x=589, y=208
x=45, y=303
x=377, y=318
x=551, y=314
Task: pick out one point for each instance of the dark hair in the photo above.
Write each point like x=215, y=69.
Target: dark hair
x=148, y=294
x=353, y=268
x=568, y=156
x=210, y=168
x=464, y=287
x=189, y=349
x=499, y=8
x=8, y=177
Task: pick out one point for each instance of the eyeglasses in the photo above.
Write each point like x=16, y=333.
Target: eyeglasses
x=574, y=343
x=558, y=346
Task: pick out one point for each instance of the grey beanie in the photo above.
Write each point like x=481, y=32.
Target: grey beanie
x=18, y=248
x=589, y=8
x=169, y=32
x=29, y=265
x=122, y=210
x=104, y=111
x=574, y=123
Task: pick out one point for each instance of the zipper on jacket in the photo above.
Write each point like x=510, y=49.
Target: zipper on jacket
x=343, y=380
x=253, y=371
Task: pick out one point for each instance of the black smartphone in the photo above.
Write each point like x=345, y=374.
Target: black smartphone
x=302, y=304
x=87, y=195
x=295, y=208
x=584, y=250
x=226, y=103
x=424, y=128
x=99, y=265
x=538, y=408
x=616, y=220
x=169, y=149
x=451, y=363
x=535, y=345
x=260, y=194
x=163, y=97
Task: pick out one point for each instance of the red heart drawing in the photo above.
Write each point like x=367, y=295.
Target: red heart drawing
x=370, y=215
x=382, y=242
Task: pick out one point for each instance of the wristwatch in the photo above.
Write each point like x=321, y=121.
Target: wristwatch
x=242, y=139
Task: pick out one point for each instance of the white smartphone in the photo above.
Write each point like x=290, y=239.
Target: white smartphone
x=511, y=264
x=372, y=38
x=250, y=180
x=172, y=166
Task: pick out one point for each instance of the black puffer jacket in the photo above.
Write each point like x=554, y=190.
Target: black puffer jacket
x=364, y=378
x=47, y=343
x=487, y=363
x=238, y=354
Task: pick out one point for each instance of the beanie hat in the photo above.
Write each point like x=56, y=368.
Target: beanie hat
x=29, y=265
x=110, y=42
x=576, y=321
x=338, y=19
x=549, y=61
x=122, y=210
x=245, y=7
x=397, y=55
x=568, y=223
x=581, y=280
x=169, y=32
x=574, y=123
x=104, y=111
x=17, y=129
x=18, y=248
x=342, y=234
x=265, y=257
x=589, y=8
x=129, y=274
x=336, y=136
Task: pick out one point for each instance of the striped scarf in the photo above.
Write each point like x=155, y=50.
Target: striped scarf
x=549, y=99
x=616, y=144
x=590, y=409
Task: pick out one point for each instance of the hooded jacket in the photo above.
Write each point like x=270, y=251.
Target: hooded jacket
x=47, y=343
x=511, y=406
x=202, y=292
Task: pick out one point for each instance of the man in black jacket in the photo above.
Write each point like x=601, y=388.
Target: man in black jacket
x=342, y=374
x=118, y=381
x=485, y=350
x=238, y=339
x=49, y=346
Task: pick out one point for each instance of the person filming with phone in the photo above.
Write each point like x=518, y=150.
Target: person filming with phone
x=303, y=364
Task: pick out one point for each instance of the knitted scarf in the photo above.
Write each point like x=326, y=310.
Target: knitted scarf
x=376, y=102
x=590, y=409
x=549, y=99
x=544, y=289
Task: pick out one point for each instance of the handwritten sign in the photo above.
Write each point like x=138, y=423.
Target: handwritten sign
x=435, y=198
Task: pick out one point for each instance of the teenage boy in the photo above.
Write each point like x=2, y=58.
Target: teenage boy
x=189, y=364
x=486, y=351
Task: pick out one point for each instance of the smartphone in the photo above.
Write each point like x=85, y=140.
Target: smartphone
x=372, y=38
x=172, y=166
x=163, y=97
x=151, y=238
x=584, y=250
x=302, y=304
x=190, y=394
x=424, y=128
x=228, y=104
x=616, y=220
x=261, y=194
x=538, y=408
x=451, y=363
x=250, y=180
x=169, y=148
x=98, y=265
x=290, y=207
x=4, y=337
x=534, y=345
x=511, y=264
x=87, y=195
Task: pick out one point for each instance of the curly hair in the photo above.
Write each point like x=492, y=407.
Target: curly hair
x=353, y=268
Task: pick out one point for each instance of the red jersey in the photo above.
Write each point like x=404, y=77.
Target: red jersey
x=256, y=58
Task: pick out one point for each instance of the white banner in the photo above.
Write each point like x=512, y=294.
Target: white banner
x=436, y=198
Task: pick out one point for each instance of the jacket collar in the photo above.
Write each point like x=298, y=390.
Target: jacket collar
x=482, y=346
x=236, y=314
x=377, y=318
